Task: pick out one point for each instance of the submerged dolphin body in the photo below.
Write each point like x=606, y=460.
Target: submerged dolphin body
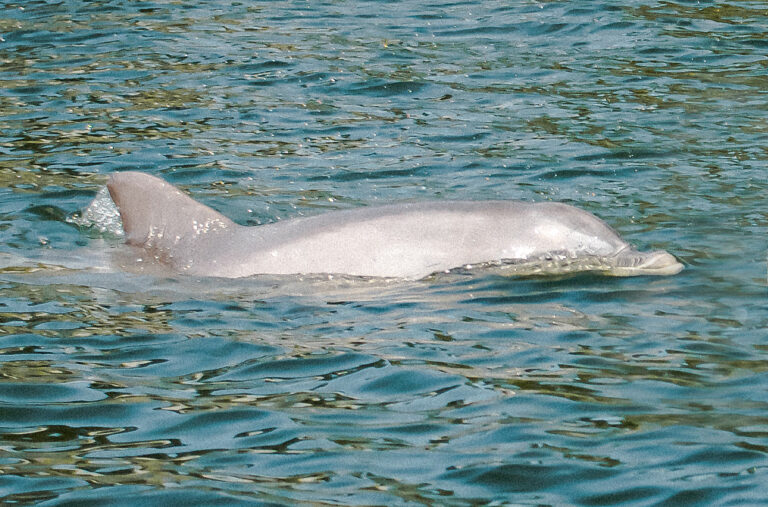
x=410, y=240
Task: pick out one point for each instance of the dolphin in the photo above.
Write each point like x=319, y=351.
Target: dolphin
x=410, y=240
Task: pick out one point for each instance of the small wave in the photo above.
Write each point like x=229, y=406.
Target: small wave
x=555, y=263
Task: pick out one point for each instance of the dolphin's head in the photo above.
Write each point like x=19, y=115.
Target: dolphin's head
x=630, y=262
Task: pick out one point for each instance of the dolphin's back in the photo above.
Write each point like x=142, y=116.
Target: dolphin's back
x=413, y=240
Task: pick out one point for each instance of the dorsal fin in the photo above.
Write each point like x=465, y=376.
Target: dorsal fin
x=157, y=216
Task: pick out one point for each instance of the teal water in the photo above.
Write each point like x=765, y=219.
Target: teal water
x=123, y=389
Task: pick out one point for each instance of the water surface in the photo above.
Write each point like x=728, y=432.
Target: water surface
x=121, y=387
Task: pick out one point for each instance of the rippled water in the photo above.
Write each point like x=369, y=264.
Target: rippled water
x=121, y=388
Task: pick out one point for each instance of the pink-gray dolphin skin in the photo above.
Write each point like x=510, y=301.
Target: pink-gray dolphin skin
x=409, y=240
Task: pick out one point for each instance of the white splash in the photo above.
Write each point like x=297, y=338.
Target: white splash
x=101, y=214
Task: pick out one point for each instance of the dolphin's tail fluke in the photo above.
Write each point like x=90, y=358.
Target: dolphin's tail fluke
x=159, y=217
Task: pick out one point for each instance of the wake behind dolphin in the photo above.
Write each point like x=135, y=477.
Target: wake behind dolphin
x=409, y=240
